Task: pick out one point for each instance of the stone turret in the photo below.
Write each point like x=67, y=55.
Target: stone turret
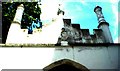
x=14, y=34
x=103, y=25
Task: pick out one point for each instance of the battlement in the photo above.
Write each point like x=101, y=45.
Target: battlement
x=77, y=35
x=72, y=34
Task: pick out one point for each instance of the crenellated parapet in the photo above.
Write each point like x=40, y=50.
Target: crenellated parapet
x=72, y=33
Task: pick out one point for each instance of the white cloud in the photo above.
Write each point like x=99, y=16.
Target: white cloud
x=49, y=9
x=83, y=2
x=118, y=16
x=87, y=0
x=114, y=5
x=114, y=1
x=102, y=1
x=117, y=40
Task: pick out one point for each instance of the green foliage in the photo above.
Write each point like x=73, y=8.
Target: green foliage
x=31, y=12
x=20, y=0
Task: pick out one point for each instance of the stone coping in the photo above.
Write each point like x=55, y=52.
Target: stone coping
x=58, y=45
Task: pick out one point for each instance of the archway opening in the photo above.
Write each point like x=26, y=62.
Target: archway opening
x=65, y=65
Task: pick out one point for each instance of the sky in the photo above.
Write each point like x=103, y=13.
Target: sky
x=82, y=12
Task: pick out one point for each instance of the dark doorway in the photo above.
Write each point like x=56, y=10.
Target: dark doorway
x=65, y=65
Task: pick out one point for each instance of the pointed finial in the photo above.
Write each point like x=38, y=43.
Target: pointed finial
x=60, y=10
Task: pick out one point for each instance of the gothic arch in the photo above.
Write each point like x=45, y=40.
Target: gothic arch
x=65, y=65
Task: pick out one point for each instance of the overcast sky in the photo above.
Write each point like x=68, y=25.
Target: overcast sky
x=82, y=12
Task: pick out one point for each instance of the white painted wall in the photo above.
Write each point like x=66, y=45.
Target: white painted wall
x=38, y=58
x=48, y=35
x=91, y=57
